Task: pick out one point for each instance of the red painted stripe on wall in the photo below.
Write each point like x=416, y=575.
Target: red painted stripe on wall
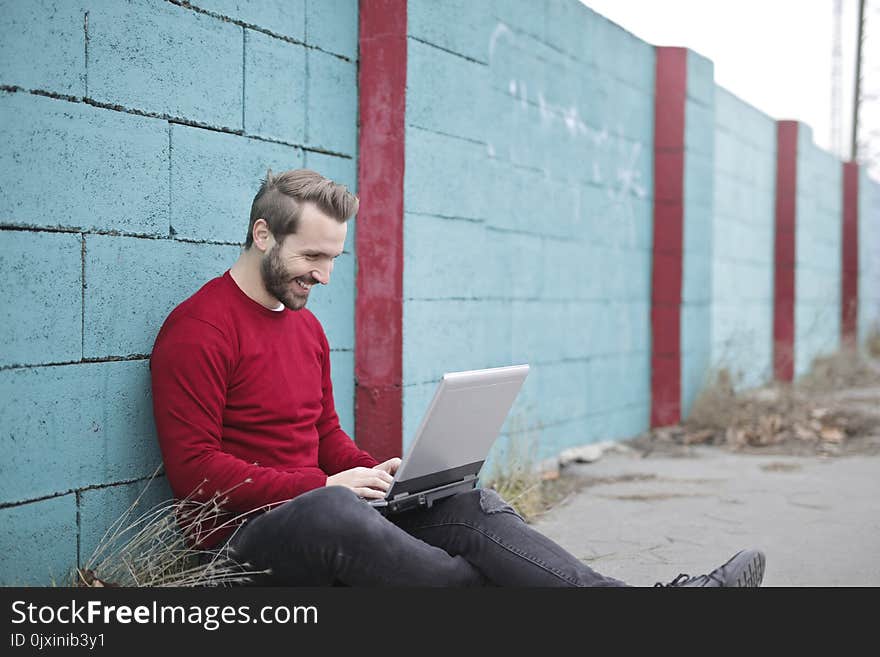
x=784, y=250
x=666, y=279
x=849, y=293
x=379, y=237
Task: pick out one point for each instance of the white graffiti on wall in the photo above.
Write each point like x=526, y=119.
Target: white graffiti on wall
x=626, y=180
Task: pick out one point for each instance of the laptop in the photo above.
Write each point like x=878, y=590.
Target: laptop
x=455, y=435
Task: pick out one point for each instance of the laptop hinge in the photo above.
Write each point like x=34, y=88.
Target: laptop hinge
x=464, y=480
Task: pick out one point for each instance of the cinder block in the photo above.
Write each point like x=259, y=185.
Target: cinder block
x=342, y=170
x=332, y=103
x=106, y=513
x=334, y=304
x=694, y=371
x=695, y=325
x=696, y=277
x=432, y=348
x=701, y=78
x=698, y=180
x=519, y=64
x=520, y=260
x=530, y=341
x=466, y=28
x=214, y=178
x=445, y=180
x=697, y=227
x=497, y=316
x=457, y=267
x=636, y=380
x=699, y=133
x=333, y=25
x=342, y=371
x=416, y=398
x=72, y=426
x=41, y=297
x=129, y=291
x=115, y=166
x=726, y=105
x=274, y=88
x=43, y=46
x=570, y=26
x=38, y=541
x=564, y=385
x=521, y=15
x=286, y=18
x=633, y=113
x=446, y=93
x=564, y=270
x=602, y=383
x=639, y=65
x=163, y=58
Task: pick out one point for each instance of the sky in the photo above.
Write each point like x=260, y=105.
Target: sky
x=773, y=54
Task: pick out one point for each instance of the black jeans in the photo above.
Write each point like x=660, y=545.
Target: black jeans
x=330, y=536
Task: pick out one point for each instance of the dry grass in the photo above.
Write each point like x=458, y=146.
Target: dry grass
x=846, y=368
x=872, y=341
x=516, y=478
x=150, y=549
x=799, y=414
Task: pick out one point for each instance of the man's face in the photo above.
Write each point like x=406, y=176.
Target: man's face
x=291, y=268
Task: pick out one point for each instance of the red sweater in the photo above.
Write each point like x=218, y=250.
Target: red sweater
x=243, y=403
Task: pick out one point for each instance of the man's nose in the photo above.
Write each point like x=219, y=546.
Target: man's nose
x=322, y=275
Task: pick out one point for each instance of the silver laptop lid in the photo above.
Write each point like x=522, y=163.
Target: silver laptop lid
x=462, y=421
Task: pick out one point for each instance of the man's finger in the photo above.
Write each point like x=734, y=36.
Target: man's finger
x=369, y=493
x=380, y=483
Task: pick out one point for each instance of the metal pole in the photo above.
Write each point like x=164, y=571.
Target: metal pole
x=854, y=151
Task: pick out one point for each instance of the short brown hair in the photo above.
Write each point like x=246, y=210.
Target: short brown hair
x=280, y=198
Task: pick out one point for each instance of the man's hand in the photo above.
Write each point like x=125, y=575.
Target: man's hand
x=390, y=466
x=370, y=483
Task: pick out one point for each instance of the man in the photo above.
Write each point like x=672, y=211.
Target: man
x=244, y=410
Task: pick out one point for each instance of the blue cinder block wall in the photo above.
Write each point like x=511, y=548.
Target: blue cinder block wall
x=696, y=287
x=819, y=220
x=136, y=133
x=528, y=214
x=869, y=258
x=743, y=225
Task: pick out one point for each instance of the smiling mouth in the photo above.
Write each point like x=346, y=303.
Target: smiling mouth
x=303, y=286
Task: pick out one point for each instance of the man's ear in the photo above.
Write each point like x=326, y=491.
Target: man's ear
x=263, y=239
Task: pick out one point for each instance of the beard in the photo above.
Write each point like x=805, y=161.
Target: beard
x=278, y=282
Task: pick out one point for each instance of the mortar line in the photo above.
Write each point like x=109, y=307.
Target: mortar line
x=82, y=309
x=77, y=491
x=476, y=142
x=256, y=28
x=114, y=233
x=451, y=52
x=243, y=75
x=170, y=215
x=166, y=117
x=83, y=361
x=78, y=530
x=86, y=29
x=306, y=95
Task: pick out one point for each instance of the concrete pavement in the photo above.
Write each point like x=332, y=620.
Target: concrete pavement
x=645, y=520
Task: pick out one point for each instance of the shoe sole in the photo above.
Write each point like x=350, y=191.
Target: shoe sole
x=751, y=573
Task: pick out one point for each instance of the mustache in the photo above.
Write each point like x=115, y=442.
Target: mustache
x=307, y=281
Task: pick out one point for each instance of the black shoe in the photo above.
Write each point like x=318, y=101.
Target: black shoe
x=744, y=569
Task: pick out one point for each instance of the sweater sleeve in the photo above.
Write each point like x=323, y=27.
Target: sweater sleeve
x=190, y=366
x=336, y=450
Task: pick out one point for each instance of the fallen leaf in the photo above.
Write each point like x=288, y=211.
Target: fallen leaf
x=698, y=437
x=803, y=433
x=832, y=435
